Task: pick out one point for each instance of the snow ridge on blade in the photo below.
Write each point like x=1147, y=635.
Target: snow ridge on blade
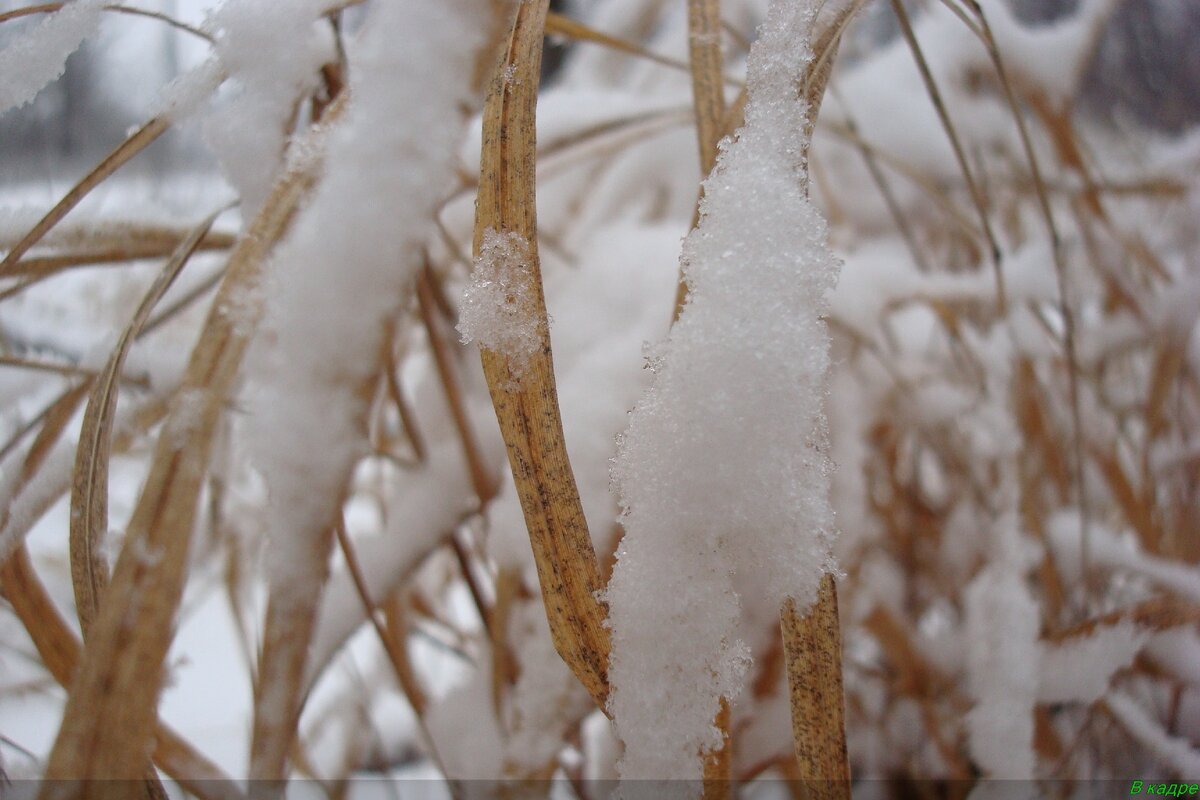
x=723, y=473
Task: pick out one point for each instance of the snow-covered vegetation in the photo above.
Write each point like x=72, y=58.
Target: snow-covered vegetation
x=525, y=396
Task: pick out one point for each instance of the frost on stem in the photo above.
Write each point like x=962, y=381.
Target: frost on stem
x=499, y=309
x=723, y=472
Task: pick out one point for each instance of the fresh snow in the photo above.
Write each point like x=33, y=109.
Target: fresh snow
x=1002, y=622
x=351, y=258
x=498, y=310
x=723, y=471
x=273, y=59
x=39, y=56
x=1080, y=670
x=926, y=404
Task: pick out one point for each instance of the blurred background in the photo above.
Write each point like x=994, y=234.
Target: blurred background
x=1145, y=72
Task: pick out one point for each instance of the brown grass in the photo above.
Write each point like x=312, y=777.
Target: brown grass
x=528, y=412
x=114, y=675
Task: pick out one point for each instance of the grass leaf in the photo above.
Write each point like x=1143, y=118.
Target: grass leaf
x=89, y=491
x=528, y=413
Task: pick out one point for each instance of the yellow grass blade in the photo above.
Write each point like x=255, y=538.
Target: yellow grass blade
x=573, y=29
x=528, y=413
x=89, y=491
x=812, y=648
x=109, y=721
x=136, y=143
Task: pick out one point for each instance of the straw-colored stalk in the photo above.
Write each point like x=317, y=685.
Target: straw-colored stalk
x=527, y=410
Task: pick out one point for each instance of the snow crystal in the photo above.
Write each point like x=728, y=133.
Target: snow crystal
x=1002, y=664
x=499, y=309
x=723, y=473
x=39, y=57
x=180, y=98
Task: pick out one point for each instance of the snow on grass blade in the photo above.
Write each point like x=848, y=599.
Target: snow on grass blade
x=1002, y=664
x=39, y=57
x=499, y=309
x=722, y=473
x=273, y=60
x=352, y=256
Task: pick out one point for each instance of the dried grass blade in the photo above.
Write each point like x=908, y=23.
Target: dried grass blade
x=35, y=269
x=55, y=643
x=718, y=764
x=89, y=490
x=1029, y=407
x=136, y=143
x=504, y=662
x=573, y=29
x=482, y=481
x=59, y=649
x=826, y=41
x=1159, y=614
x=393, y=646
x=528, y=414
x=1138, y=511
x=812, y=648
x=707, y=68
x=57, y=417
x=973, y=187
x=53, y=422
x=1169, y=363
x=1060, y=264
x=109, y=721
x=33, y=365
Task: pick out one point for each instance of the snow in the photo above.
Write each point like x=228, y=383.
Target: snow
x=1051, y=57
x=1174, y=752
x=273, y=60
x=1002, y=621
x=209, y=696
x=546, y=699
x=931, y=448
x=351, y=257
x=1119, y=552
x=39, y=56
x=186, y=94
x=1177, y=651
x=498, y=310
x=1079, y=670
x=741, y=375
x=425, y=509
x=465, y=730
